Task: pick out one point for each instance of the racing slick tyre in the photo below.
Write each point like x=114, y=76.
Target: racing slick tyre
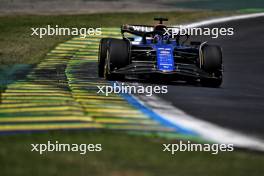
x=211, y=58
x=102, y=56
x=211, y=62
x=117, y=57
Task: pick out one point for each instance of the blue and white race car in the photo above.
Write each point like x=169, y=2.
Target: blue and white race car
x=152, y=51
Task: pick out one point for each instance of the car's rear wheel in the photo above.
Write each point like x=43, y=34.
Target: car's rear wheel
x=102, y=56
x=117, y=57
x=211, y=62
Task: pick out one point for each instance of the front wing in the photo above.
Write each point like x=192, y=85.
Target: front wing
x=180, y=70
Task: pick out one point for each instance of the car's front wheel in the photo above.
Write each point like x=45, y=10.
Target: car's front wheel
x=211, y=62
x=117, y=57
x=102, y=56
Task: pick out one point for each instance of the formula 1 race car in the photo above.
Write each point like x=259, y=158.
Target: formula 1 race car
x=146, y=51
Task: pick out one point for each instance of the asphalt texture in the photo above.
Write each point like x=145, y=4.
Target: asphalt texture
x=239, y=103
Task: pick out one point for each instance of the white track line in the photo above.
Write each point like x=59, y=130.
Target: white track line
x=223, y=20
x=203, y=128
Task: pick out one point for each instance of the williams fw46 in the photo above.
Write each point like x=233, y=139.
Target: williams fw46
x=153, y=52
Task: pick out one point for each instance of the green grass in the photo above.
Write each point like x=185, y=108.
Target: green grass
x=121, y=155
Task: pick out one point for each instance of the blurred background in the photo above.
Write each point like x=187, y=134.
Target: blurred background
x=95, y=6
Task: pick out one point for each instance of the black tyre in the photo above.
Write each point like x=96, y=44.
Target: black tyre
x=102, y=56
x=211, y=58
x=211, y=62
x=117, y=57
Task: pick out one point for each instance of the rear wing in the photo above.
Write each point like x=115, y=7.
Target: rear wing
x=141, y=29
x=136, y=29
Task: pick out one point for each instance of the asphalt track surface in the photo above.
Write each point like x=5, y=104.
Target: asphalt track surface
x=239, y=103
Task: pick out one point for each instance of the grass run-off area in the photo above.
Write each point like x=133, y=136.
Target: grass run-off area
x=123, y=154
